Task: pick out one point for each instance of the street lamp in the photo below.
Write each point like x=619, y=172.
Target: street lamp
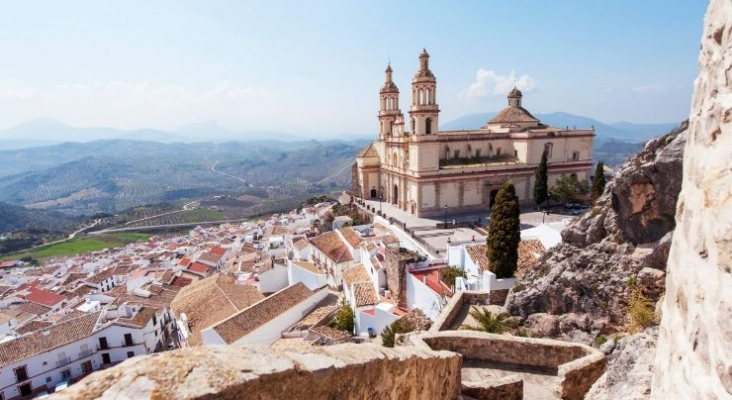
x=445, y=216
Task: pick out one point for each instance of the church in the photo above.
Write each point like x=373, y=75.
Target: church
x=428, y=172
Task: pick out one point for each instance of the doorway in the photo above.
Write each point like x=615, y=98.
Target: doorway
x=494, y=193
x=373, y=193
x=106, y=359
x=25, y=389
x=396, y=194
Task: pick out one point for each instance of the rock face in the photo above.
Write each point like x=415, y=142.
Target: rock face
x=346, y=371
x=694, y=354
x=583, y=283
x=630, y=368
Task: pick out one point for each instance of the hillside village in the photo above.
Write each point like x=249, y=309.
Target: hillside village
x=278, y=282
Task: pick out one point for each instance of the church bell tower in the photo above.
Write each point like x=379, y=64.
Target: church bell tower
x=389, y=112
x=424, y=111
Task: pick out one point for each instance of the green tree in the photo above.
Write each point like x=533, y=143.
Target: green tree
x=486, y=321
x=388, y=335
x=449, y=274
x=567, y=188
x=598, y=181
x=345, y=318
x=541, y=181
x=504, y=233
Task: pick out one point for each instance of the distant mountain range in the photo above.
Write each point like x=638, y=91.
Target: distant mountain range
x=113, y=175
x=619, y=131
x=45, y=131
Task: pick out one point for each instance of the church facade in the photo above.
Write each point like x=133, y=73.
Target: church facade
x=427, y=172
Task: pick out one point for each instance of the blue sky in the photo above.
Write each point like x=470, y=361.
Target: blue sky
x=315, y=68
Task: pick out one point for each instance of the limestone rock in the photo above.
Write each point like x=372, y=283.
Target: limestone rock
x=694, y=354
x=630, y=368
x=238, y=372
x=627, y=232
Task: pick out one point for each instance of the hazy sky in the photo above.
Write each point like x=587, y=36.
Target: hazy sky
x=315, y=67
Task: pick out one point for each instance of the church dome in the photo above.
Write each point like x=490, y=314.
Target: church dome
x=514, y=92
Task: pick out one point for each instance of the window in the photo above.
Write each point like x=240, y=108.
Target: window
x=477, y=153
x=548, y=147
x=155, y=320
x=447, y=152
x=130, y=354
x=515, y=153
x=48, y=379
x=498, y=151
x=128, y=339
x=428, y=126
x=21, y=373
x=66, y=374
x=86, y=367
x=457, y=153
x=575, y=155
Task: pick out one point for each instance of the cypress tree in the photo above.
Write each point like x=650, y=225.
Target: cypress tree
x=504, y=233
x=598, y=182
x=541, y=182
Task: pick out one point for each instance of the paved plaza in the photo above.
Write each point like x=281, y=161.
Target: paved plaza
x=426, y=228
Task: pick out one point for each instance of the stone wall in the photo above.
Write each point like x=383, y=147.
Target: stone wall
x=454, y=305
x=694, y=354
x=345, y=371
x=576, y=366
x=506, y=388
x=397, y=259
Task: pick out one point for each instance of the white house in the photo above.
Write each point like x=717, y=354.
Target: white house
x=264, y=322
x=272, y=277
x=307, y=274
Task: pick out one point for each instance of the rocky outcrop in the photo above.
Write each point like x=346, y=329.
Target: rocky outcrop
x=345, y=371
x=694, y=354
x=630, y=368
x=582, y=285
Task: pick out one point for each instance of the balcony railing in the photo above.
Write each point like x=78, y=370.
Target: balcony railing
x=86, y=353
x=63, y=361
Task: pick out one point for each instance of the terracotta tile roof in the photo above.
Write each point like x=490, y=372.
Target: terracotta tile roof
x=198, y=267
x=82, y=290
x=433, y=281
x=73, y=277
x=333, y=247
x=218, y=250
x=478, y=255
x=72, y=315
x=211, y=300
x=262, y=312
x=513, y=114
x=310, y=267
x=330, y=333
x=43, y=297
x=355, y=275
x=365, y=294
x=351, y=236
x=32, y=327
x=161, y=296
x=30, y=308
x=100, y=276
x=139, y=320
x=38, y=342
x=210, y=258
x=300, y=243
x=321, y=313
x=185, y=261
x=181, y=281
x=389, y=239
x=529, y=252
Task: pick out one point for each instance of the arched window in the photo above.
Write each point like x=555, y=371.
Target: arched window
x=447, y=152
x=394, y=159
x=470, y=150
x=548, y=147
x=490, y=149
x=428, y=126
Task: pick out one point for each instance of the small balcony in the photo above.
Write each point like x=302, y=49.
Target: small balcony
x=63, y=361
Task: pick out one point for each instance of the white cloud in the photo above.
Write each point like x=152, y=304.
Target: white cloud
x=130, y=104
x=489, y=83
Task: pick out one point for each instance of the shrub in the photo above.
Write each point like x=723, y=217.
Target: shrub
x=344, y=319
x=486, y=321
x=449, y=274
x=641, y=312
x=388, y=335
x=633, y=280
x=600, y=340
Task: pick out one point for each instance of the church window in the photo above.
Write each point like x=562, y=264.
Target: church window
x=428, y=126
x=447, y=152
x=515, y=153
x=470, y=150
x=457, y=153
x=498, y=151
x=575, y=155
x=477, y=153
x=548, y=147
